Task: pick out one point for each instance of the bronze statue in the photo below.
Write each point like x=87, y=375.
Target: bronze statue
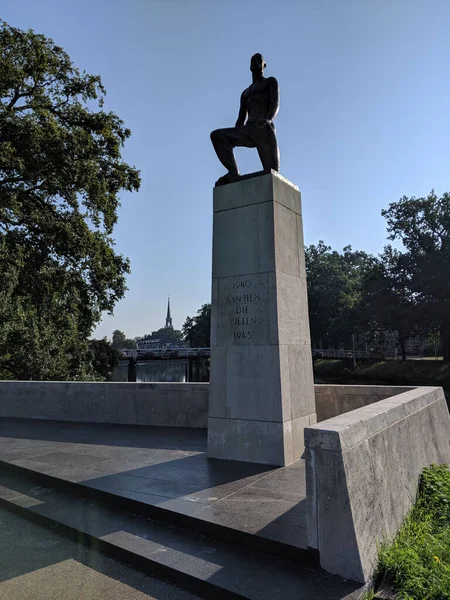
x=259, y=104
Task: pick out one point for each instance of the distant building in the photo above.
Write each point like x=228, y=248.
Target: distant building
x=168, y=318
x=415, y=346
x=148, y=343
x=163, y=338
x=389, y=343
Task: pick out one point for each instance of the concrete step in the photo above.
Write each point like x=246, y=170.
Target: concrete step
x=207, y=567
x=128, y=501
x=39, y=564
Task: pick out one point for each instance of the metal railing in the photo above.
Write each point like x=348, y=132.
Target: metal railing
x=327, y=353
x=172, y=353
x=167, y=353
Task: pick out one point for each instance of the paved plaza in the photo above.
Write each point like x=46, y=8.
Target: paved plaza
x=150, y=498
x=167, y=468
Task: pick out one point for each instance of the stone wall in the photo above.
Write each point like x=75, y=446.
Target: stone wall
x=334, y=400
x=362, y=472
x=362, y=465
x=165, y=404
x=172, y=404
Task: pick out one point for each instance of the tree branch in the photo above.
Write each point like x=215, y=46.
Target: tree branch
x=63, y=102
x=19, y=108
x=8, y=180
x=13, y=99
x=17, y=96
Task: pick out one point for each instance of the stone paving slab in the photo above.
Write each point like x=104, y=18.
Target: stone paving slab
x=166, y=468
x=37, y=564
x=212, y=569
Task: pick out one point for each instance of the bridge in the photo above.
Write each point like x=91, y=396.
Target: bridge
x=166, y=353
x=201, y=353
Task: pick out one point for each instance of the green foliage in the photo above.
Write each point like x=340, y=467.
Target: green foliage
x=423, y=226
x=434, y=341
x=119, y=341
x=334, y=292
x=407, y=292
x=104, y=358
x=169, y=335
x=387, y=372
x=197, y=330
x=60, y=176
x=387, y=300
x=164, y=336
x=418, y=561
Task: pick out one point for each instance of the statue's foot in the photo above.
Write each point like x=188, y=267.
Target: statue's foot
x=228, y=178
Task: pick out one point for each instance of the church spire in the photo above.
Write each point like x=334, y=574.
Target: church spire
x=168, y=318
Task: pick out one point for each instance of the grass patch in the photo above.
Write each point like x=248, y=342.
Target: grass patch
x=406, y=371
x=385, y=372
x=418, y=561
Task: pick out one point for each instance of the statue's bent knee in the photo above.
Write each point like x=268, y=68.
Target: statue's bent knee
x=215, y=134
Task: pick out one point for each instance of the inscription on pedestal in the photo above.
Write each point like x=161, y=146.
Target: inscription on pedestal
x=243, y=310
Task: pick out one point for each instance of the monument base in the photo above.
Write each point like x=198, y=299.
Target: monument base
x=263, y=442
x=262, y=388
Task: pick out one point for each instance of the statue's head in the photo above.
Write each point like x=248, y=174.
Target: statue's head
x=257, y=63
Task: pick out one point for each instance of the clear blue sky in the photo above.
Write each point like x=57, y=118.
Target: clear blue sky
x=364, y=118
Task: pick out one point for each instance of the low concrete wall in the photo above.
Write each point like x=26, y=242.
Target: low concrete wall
x=165, y=404
x=334, y=400
x=172, y=404
x=362, y=472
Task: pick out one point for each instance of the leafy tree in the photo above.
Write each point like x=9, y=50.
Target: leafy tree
x=197, y=330
x=118, y=339
x=166, y=335
x=104, y=358
x=61, y=173
x=434, y=341
x=423, y=226
x=169, y=335
x=388, y=303
x=334, y=291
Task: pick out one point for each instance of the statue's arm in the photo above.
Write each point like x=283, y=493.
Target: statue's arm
x=274, y=105
x=242, y=112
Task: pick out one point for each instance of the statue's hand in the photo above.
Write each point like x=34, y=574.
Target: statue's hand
x=260, y=123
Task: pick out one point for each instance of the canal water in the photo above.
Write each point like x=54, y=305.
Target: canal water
x=163, y=371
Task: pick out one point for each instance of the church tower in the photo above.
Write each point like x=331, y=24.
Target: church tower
x=168, y=318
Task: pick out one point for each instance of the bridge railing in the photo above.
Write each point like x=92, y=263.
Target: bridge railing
x=167, y=353
x=329, y=353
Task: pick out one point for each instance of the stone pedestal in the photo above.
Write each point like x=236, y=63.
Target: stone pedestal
x=262, y=389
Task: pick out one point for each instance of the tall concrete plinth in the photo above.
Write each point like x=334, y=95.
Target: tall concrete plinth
x=262, y=389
